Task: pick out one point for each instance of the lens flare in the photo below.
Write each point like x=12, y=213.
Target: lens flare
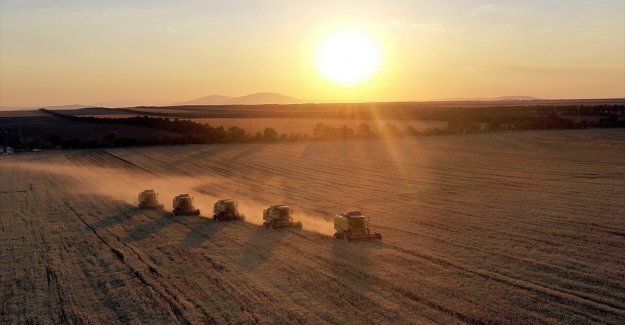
x=348, y=57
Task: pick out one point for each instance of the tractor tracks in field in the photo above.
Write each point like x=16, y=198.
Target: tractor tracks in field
x=127, y=162
x=548, y=269
x=181, y=292
x=445, y=264
x=231, y=283
x=141, y=275
x=345, y=267
x=534, y=232
x=100, y=157
x=384, y=283
x=55, y=289
x=244, y=290
x=559, y=295
x=258, y=285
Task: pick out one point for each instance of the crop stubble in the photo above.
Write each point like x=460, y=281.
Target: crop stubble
x=507, y=227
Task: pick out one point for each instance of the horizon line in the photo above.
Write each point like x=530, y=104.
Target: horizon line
x=450, y=100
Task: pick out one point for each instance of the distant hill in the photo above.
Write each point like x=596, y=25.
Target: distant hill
x=72, y=106
x=264, y=98
x=206, y=100
x=22, y=108
x=15, y=108
x=118, y=103
x=516, y=98
x=251, y=99
x=489, y=99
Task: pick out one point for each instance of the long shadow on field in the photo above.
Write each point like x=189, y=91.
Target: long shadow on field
x=123, y=211
x=332, y=149
x=202, y=154
x=248, y=151
x=158, y=220
x=145, y=229
x=260, y=246
x=351, y=265
x=201, y=229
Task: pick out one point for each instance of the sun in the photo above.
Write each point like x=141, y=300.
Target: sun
x=348, y=57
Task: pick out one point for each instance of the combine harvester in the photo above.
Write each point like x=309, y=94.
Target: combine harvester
x=353, y=226
x=148, y=199
x=227, y=210
x=279, y=216
x=183, y=205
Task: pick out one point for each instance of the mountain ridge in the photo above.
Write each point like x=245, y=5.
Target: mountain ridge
x=259, y=98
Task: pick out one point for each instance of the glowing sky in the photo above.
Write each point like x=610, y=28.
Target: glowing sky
x=160, y=52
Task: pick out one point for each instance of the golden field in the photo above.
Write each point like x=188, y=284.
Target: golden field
x=511, y=227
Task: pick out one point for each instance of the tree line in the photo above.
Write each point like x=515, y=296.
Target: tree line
x=189, y=132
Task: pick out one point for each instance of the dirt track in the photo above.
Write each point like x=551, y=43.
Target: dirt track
x=524, y=227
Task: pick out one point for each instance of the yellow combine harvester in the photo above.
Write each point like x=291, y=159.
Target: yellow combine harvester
x=227, y=210
x=183, y=205
x=353, y=226
x=148, y=199
x=279, y=216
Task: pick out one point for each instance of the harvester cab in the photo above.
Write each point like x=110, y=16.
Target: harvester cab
x=279, y=216
x=183, y=205
x=148, y=199
x=227, y=210
x=353, y=226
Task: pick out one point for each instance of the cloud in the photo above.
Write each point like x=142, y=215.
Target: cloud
x=483, y=10
x=538, y=69
x=432, y=26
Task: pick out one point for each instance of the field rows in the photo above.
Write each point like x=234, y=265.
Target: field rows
x=524, y=227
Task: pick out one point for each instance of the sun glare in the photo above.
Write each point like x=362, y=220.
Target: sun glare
x=348, y=57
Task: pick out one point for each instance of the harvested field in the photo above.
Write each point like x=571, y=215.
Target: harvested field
x=252, y=125
x=307, y=125
x=22, y=113
x=111, y=115
x=518, y=227
x=297, y=126
x=41, y=125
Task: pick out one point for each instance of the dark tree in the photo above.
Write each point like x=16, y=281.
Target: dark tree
x=108, y=137
x=236, y=134
x=319, y=130
x=270, y=134
x=346, y=132
x=410, y=131
x=55, y=140
x=363, y=130
x=390, y=130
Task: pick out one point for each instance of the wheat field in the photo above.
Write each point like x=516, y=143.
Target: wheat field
x=511, y=227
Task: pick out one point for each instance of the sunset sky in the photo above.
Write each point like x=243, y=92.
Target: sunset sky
x=162, y=52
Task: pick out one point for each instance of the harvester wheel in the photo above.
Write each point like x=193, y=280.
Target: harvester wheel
x=265, y=224
x=347, y=235
x=338, y=236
